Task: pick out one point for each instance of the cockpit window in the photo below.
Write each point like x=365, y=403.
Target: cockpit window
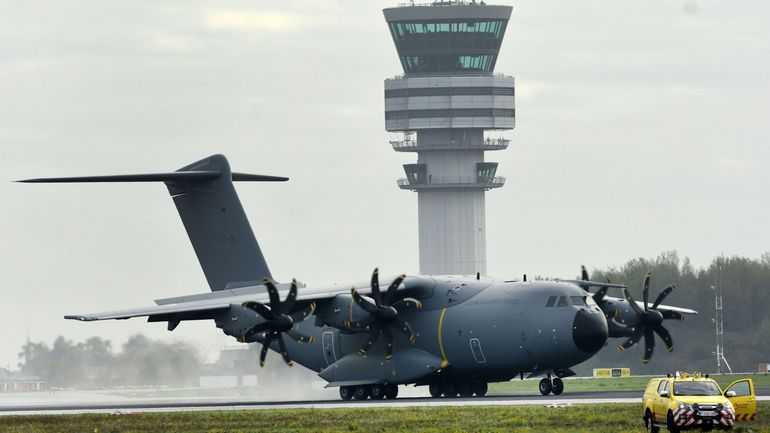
x=551, y=302
x=562, y=301
x=578, y=300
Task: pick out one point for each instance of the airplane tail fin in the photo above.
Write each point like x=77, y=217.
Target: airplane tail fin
x=212, y=215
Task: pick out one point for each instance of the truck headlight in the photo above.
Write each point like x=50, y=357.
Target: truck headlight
x=683, y=405
x=729, y=406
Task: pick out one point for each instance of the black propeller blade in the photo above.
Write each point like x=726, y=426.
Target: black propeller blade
x=279, y=320
x=649, y=320
x=383, y=314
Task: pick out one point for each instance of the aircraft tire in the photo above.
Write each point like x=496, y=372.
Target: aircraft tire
x=480, y=389
x=346, y=392
x=557, y=386
x=449, y=390
x=391, y=391
x=377, y=392
x=545, y=386
x=435, y=390
x=466, y=390
x=361, y=392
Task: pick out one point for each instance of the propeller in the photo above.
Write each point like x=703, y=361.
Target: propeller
x=384, y=313
x=279, y=320
x=649, y=320
x=601, y=293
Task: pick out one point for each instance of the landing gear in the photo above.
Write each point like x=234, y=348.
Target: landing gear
x=391, y=392
x=545, y=386
x=361, y=392
x=377, y=392
x=450, y=390
x=557, y=386
x=346, y=392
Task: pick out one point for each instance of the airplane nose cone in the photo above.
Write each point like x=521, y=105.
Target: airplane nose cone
x=589, y=331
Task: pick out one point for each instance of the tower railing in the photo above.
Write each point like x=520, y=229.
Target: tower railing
x=439, y=182
x=413, y=146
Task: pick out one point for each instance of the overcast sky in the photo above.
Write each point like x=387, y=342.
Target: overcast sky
x=641, y=127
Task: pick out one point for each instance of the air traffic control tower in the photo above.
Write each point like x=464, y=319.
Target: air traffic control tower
x=448, y=104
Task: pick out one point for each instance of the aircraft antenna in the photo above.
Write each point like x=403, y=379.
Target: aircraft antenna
x=719, y=319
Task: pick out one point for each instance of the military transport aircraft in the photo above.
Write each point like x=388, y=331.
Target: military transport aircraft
x=454, y=334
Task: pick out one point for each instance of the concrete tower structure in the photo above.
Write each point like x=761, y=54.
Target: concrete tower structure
x=445, y=104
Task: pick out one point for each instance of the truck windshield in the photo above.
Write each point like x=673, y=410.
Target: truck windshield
x=696, y=388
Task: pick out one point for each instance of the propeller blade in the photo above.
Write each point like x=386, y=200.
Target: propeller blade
x=299, y=337
x=260, y=309
x=617, y=328
x=665, y=336
x=376, y=288
x=663, y=295
x=672, y=315
x=584, y=273
x=631, y=301
x=393, y=287
x=284, y=352
x=407, y=303
x=288, y=304
x=600, y=294
x=646, y=290
x=649, y=345
x=275, y=301
x=374, y=334
x=388, y=342
x=265, y=346
x=303, y=314
x=363, y=303
x=256, y=329
x=404, y=327
x=633, y=339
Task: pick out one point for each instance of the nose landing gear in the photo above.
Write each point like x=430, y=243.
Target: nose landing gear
x=548, y=386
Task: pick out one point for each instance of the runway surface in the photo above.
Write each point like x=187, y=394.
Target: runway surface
x=204, y=404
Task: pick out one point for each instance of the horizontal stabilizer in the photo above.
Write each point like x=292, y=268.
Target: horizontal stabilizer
x=177, y=176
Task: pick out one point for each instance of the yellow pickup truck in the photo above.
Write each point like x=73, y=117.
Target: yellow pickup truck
x=684, y=402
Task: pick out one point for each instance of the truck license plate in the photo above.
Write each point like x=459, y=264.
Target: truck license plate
x=706, y=413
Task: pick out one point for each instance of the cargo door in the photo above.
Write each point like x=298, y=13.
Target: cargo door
x=743, y=398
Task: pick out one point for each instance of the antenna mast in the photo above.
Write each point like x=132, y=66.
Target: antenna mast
x=719, y=320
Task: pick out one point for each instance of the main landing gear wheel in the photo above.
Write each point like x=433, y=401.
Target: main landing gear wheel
x=480, y=389
x=557, y=386
x=391, y=392
x=377, y=392
x=449, y=390
x=435, y=390
x=361, y=392
x=346, y=392
x=545, y=386
x=466, y=390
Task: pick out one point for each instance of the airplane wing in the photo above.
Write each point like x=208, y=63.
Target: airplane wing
x=206, y=305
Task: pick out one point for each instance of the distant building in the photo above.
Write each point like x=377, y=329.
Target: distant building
x=21, y=384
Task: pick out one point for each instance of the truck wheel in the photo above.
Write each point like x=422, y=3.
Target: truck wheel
x=672, y=427
x=557, y=386
x=648, y=423
x=545, y=386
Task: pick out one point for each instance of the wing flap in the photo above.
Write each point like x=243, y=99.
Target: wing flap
x=155, y=310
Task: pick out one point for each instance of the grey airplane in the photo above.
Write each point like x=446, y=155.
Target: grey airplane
x=454, y=334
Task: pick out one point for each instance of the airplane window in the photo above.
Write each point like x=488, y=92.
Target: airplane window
x=578, y=300
x=551, y=301
x=562, y=301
